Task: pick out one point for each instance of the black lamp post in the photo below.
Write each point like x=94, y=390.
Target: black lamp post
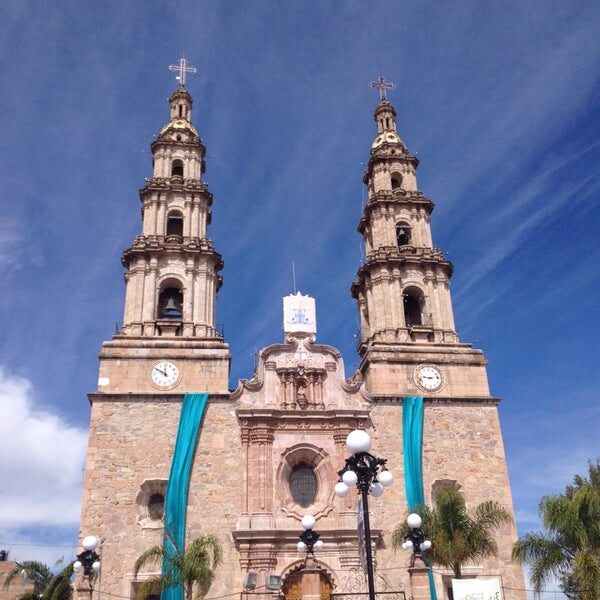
x=309, y=538
x=415, y=539
x=88, y=561
x=370, y=476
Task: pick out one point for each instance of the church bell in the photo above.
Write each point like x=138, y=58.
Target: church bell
x=171, y=310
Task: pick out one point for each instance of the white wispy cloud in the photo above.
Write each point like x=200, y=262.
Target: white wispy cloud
x=11, y=240
x=42, y=460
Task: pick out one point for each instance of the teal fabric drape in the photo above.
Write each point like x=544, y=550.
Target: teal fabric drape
x=412, y=440
x=190, y=423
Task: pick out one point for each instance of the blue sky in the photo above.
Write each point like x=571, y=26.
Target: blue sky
x=498, y=100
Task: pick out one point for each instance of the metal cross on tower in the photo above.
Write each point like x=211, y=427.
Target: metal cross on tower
x=382, y=85
x=183, y=69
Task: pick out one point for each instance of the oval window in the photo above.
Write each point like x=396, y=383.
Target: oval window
x=303, y=485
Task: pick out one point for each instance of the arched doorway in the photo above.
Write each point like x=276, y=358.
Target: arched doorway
x=292, y=586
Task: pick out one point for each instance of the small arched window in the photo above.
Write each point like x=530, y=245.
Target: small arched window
x=177, y=168
x=303, y=485
x=396, y=180
x=403, y=234
x=175, y=223
x=413, y=307
x=156, y=506
x=170, y=303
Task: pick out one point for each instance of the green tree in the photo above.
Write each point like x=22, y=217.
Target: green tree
x=195, y=566
x=50, y=586
x=457, y=536
x=569, y=546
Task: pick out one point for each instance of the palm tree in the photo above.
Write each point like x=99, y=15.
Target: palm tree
x=51, y=587
x=194, y=566
x=457, y=537
x=59, y=587
x=31, y=570
x=569, y=548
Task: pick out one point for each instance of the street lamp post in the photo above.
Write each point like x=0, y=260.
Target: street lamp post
x=88, y=561
x=309, y=538
x=311, y=576
x=370, y=476
x=415, y=539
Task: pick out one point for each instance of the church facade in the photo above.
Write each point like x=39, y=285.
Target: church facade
x=268, y=452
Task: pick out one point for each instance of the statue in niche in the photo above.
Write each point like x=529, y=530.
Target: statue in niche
x=301, y=394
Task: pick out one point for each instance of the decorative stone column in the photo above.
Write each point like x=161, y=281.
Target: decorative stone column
x=244, y=520
x=311, y=580
x=83, y=590
x=260, y=489
x=419, y=580
x=347, y=504
x=150, y=297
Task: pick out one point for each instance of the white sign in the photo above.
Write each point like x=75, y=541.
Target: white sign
x=477, y=589
x=299, y=314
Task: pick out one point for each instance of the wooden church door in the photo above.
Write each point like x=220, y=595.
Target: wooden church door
x=292, y=587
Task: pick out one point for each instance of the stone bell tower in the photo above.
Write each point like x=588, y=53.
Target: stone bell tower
x=169, y=345
x=172, y=274
x=409, y=347
x=403, y=287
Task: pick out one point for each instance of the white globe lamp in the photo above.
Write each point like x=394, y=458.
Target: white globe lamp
x=350, y=478
x=301, y=546
x=90, y=542
x=358, y=441
x=385, y=478
x=308, y=522
x=376, y=490
x=319, y=544
x=341, y=489
x=414, y=521
x=77, y=566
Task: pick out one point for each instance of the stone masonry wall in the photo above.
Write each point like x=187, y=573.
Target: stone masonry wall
x=131, y=442
x=461, y=442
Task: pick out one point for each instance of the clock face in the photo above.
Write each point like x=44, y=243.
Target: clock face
x=429, y=378
x=165, y=374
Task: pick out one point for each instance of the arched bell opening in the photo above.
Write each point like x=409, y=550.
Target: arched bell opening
x=170, y=302
x=156, y=506
x=403, y=234
x=396, y=180
x=177, y=168
x=414, y=304
x=175, y=223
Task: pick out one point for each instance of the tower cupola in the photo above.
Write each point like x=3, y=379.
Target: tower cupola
x=181, y=104
x=385, y=118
